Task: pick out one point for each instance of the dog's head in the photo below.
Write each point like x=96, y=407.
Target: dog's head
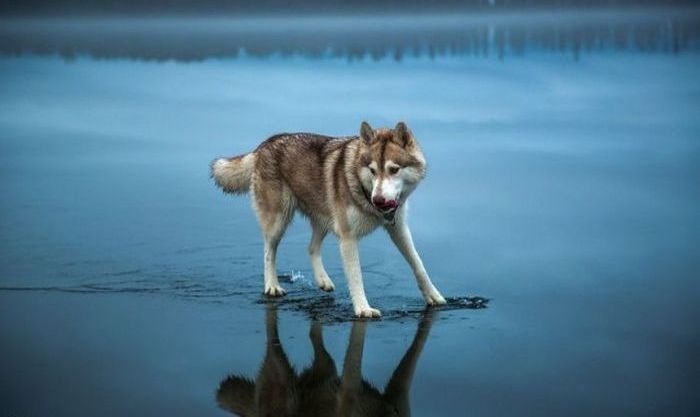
x=391, y=165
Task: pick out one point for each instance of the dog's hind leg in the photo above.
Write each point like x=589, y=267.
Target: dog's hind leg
x=275, y=207
x=322, y=279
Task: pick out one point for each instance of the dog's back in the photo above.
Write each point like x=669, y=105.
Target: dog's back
x=294, y=168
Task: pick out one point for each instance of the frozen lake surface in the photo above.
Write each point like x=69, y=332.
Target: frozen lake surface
x=563, y=188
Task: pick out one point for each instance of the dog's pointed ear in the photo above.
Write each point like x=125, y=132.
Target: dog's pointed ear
x=366, y=132
x=403, y=136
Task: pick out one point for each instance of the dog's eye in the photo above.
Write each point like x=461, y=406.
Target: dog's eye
x=393, y=170
x=372, y=171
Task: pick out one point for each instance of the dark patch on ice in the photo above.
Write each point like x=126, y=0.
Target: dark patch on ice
x=337, y=308
x=302, y=295
x=470, y=303
x=191, y=289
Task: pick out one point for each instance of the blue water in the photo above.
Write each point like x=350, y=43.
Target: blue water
x=562, y=188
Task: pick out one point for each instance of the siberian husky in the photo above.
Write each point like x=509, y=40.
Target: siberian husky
x=346, y=185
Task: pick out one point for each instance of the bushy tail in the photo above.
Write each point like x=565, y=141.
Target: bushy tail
x=233, y=175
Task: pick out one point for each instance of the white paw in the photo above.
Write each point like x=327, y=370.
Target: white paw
x=274, y=290
x=434, y=298
x=368, y=312
x=325, y=284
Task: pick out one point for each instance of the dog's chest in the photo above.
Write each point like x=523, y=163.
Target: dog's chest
x=359, y=223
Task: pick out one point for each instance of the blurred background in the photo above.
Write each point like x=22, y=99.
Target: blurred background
x=563, y=184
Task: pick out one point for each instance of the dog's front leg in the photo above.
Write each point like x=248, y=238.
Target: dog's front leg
x=353, y=273
x=401, y=235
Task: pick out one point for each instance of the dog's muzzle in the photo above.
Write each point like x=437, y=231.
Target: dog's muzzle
x=383, y=205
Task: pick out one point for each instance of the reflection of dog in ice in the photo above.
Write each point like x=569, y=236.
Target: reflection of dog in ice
x=318, y=391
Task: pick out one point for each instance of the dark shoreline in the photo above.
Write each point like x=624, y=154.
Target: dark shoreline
x=669, y=30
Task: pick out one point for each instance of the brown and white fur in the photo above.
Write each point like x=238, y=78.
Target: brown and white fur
x=346, y=185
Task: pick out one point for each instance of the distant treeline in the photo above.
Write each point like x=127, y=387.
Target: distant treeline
x=359, y=37
x=174, y=7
